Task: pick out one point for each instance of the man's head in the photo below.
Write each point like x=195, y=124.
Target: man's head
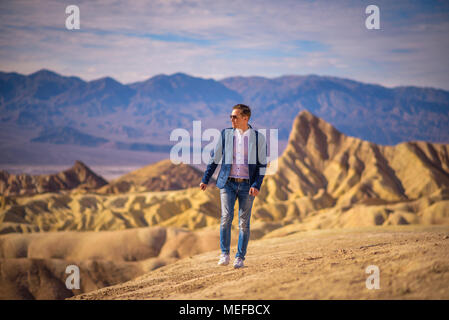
x=240, y=116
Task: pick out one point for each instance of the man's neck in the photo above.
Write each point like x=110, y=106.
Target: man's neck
x=243, y=130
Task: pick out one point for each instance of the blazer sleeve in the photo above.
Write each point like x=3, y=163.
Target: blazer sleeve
x=215, y=157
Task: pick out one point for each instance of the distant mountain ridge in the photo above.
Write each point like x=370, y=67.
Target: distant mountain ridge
x=71, y=136
x=148, y=111
x=68, y=135
x=367, y=111
x=180, y=88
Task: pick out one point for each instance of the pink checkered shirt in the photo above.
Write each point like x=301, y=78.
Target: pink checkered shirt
x=239, y=167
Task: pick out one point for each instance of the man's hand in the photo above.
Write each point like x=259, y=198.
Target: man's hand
x=203, y=186
x=253, y=191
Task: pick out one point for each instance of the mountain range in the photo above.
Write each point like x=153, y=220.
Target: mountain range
x=45, y=109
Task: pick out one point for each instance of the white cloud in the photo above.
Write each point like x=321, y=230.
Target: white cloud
x=125, y=40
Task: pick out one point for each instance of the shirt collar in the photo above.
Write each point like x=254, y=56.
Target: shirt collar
x=246, y=132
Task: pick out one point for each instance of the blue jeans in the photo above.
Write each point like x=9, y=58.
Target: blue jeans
x=228, y=195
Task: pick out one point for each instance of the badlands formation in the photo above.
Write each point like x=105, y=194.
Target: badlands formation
x=160, y=176
x=79, y=176
x=332, y=203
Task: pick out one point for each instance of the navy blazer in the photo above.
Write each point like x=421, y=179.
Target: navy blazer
x=257, y=158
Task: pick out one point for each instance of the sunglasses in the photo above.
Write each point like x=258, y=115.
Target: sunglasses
x=233, y=117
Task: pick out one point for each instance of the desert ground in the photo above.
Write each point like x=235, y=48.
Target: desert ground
x=413, y=263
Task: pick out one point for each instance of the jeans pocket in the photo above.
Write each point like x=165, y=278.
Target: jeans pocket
x=225, y=187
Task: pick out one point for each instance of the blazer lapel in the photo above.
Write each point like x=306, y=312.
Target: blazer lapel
x=229, y=146
x=252, y=147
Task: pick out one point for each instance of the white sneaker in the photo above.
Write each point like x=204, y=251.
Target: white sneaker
x=224, y=259
x=238, y=263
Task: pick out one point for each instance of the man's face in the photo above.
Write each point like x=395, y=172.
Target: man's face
x=238, y=121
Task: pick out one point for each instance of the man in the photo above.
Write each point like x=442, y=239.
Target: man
x=241, y=175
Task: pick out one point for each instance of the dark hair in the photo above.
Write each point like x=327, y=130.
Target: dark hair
x=244, y=109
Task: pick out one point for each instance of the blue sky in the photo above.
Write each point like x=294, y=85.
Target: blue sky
x=135, y=40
